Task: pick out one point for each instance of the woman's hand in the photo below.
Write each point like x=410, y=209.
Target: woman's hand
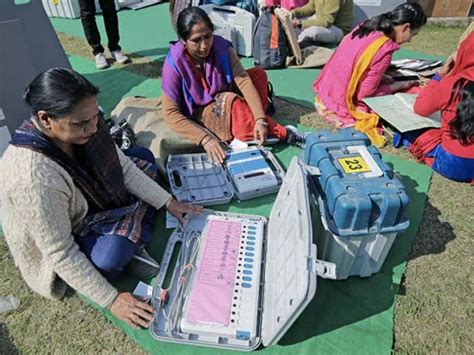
x=179, y=209
x=296, y=23
x=132, y=311
x=260, y=131
x=214, y=149
x=447, y=67
x=387, y=79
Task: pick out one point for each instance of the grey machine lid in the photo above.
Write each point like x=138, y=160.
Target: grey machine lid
x=291, y=266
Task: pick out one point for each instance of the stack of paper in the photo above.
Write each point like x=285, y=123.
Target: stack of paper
x=397, y=110
x=414, y=69
x=417, y=65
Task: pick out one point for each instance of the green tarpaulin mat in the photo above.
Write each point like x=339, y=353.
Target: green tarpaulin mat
x=114, y=83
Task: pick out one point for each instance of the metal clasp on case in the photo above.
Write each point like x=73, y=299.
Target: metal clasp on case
x=324, y=269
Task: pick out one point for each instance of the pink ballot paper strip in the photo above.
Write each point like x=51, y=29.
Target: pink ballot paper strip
x=211, y=296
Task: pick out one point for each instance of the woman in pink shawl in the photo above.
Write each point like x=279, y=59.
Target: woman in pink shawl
x=357, y=69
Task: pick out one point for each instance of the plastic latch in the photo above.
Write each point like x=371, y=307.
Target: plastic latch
x=312, y=170
x=325, y=269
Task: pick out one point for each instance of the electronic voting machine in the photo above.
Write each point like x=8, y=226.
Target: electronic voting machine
x=240, y=280
x=247, y=173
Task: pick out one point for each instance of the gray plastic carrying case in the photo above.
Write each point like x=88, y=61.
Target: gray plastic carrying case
x=246, y=174
x=288, y=270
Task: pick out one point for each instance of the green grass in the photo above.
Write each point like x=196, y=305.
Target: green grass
x=434, y=311
x=44, y=326
x=436, y=40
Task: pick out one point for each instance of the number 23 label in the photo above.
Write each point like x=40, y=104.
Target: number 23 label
x=354, y=164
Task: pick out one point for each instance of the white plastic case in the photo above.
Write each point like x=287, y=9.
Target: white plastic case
x=289, y=268
x=227, y=32
x=243, y=22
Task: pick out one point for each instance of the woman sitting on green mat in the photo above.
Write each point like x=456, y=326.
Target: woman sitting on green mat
x=207, y=94
x=76, y=209
x=357, y=69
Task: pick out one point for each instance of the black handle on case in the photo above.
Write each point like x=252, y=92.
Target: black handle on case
x=223, y=9
x=313, y=185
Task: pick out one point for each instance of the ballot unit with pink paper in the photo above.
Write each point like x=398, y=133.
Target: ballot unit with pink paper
x=224, y=295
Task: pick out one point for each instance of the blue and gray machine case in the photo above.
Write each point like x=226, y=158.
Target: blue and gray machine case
x=358, y=201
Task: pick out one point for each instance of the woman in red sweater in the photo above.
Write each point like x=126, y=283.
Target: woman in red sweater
x=449, y=150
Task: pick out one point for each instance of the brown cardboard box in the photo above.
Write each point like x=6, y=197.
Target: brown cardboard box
x=451, y=8
x=445, y=8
